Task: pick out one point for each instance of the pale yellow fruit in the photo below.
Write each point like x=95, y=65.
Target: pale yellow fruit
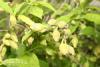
x=61, y=24
x=12, y=20
x=74, y=41
x=52, y=22
x=66, y=49
x=13, y=44
x=7, y=35
x=10, y=43
x=56, y=35
x=70, y=50
x=6, y=42
x=14, y=37
x=30, y=40
x=67, y=31
x=63, y=49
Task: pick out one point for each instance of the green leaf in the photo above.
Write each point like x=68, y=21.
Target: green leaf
x=43, y=63
x=74, y=26
x=25, y=61
x=22, y=8
x=36, y=11
x=6, y=7
x=88, y=31
x=70, y=16
x=18, y=8
x=93, y=17
x=65, y=18
x=45, y=4
x=84, y=3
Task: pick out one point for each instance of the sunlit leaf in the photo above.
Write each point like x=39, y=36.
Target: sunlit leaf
x=3, y=52
x=84, y=3
x=36, y=11
x=93, y=17
x=50, y=51
x=25, y=19
x=6, y=7
x=26, y=35
x=25, y=61
x=45, y=4
x=18, y=8
x=38, y=27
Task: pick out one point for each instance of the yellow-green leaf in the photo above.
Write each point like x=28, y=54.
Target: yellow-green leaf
x=3, y=52
x=38, y=27
x=93, y=17
x=26, y=35
x=6, y=7
x=36, y=11
x=25, y=19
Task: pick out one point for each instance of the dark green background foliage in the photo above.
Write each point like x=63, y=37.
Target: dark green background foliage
x=49, y=33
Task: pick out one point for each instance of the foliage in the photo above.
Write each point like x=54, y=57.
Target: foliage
x=39, y=33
